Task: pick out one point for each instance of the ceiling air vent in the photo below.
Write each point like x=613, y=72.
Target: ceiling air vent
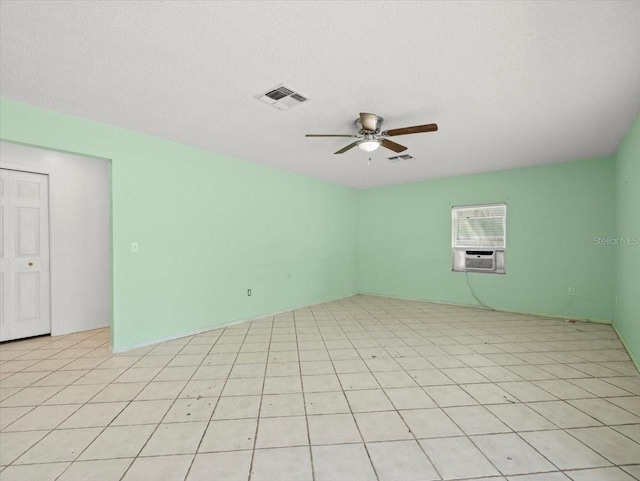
x=281, y=97
x=400, y=158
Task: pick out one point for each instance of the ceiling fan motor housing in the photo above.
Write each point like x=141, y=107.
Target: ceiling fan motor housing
x=361, y=130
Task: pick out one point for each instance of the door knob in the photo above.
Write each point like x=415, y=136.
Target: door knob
x=30, y=264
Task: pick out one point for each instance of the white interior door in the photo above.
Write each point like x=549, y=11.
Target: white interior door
x=24, y=265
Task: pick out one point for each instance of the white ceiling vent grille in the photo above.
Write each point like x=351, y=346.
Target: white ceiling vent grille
x=281, y=97
x=400, y=158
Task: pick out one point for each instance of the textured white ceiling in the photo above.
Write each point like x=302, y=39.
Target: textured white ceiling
x=509, y=83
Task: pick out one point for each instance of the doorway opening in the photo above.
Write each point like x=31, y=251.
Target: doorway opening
x=69, y=289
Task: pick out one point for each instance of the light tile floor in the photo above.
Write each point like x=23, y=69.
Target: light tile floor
x=364, y=388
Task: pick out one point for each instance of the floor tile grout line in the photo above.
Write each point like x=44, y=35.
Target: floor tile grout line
x=477, y=447
x=226, y=329
x=64, y=386
x=49, y=372
x=79, y=454
x=364, y=444
x=380, y=339
x=331, y=444
x=51, y=339
x=304, y=399
x=264, y=381
x=393, y=409
x=568, y=431
x=465, y=435
x=50, y=357
x=323, y=340
x=415, y=332
x=517, y=433
x=593, y=417
x=172, y=403
x=50, y=431
x=621, y=433
x=104, y=428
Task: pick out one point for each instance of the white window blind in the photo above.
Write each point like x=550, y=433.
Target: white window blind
x=479, y=226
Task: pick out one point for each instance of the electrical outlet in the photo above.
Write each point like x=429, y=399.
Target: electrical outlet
x=572, y=291
x=248, y=292
x=134, y=247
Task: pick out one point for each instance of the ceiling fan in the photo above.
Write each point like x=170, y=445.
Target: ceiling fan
x=371, y=136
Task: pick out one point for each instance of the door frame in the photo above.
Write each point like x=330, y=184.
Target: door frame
x=53, y=304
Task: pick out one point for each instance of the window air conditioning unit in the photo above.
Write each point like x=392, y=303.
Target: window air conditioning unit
x=490, y=261
x=480, y=260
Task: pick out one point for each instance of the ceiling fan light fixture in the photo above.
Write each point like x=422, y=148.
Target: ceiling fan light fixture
x=369, y=145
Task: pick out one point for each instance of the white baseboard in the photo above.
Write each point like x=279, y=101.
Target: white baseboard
x=635, y=361
x=172, y=337
x=538, y=314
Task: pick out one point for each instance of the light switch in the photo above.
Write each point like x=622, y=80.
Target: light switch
x=134, y=247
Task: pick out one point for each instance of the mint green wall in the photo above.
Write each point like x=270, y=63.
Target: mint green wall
x=553, y=213
x=627, y=255
x=208, y=227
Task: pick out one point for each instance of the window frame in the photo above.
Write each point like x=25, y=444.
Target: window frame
x=459, y=251
x=454, y=230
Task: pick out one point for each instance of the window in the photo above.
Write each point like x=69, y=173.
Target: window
x=478, y=238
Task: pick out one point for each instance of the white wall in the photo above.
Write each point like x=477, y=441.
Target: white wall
x=79, y=209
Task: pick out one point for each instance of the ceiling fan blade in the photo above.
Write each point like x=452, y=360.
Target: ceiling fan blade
x=348, y=147
x=330, y=135
x=369, y=121
x=392, y=145
x=411, y=130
